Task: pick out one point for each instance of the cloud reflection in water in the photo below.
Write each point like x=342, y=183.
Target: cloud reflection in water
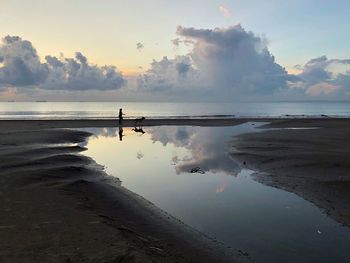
x=207, y=147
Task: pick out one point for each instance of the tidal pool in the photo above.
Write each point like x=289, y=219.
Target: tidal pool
x=189, y=173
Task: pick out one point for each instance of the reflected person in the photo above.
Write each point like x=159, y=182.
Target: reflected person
x=120, y=133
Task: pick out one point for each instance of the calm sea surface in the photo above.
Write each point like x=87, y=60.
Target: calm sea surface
x=218, y=197
x=86, y=110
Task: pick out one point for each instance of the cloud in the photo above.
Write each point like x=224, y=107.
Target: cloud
x=224, y=63
x=139, y=46
x=21, y=63
x=21, y=67
x=77, y=74
x=176, y=43
x=322, y=76
x=167, y=74
x=225, y=12
x=321, y=88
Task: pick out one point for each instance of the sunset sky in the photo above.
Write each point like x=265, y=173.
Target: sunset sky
x=131, y=34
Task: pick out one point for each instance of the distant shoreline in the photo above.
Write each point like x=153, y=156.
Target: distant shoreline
x=171, y=110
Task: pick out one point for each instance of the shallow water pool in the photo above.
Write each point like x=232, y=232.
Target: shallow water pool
x=189, y=173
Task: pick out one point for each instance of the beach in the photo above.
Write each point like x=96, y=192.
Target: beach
x=308, y=157
x=59, y=206
x=173, y=131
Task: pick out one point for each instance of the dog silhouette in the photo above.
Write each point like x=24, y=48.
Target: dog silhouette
x=139, y=121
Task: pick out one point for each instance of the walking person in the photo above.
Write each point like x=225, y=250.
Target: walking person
x=121, y=116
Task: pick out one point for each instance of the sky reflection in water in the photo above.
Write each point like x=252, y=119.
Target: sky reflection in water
x=270, y=224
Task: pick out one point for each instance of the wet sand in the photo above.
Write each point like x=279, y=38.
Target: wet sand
x=59, y=206
x=312, y=163
x=6, y=125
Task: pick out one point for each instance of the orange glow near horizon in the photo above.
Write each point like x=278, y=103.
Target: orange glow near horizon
x=293, y=71
x=131, y=72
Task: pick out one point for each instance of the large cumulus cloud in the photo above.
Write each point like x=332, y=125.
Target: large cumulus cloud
x=21, y=67
x=21, y=63
x=167, y=74
x=77, y=74
x=222, y=63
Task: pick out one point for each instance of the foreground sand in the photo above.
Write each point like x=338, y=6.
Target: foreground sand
x=58, y=206
x=313, y=163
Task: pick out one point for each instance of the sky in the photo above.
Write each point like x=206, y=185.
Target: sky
x=136, y=36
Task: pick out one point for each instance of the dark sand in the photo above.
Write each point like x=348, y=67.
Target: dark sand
x=312, y=163
x=58, y=206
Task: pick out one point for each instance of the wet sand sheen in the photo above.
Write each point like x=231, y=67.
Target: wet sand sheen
x=6, y=125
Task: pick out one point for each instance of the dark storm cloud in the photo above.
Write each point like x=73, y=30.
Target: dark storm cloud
x=21, y=67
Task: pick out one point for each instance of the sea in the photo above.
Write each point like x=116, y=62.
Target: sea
x=101, y=110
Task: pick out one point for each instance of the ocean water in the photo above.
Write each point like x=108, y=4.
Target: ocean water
x=219, y=198
x=88, y=110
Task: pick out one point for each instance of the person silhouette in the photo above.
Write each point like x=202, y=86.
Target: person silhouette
x=120, y=133
x=121, y=116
